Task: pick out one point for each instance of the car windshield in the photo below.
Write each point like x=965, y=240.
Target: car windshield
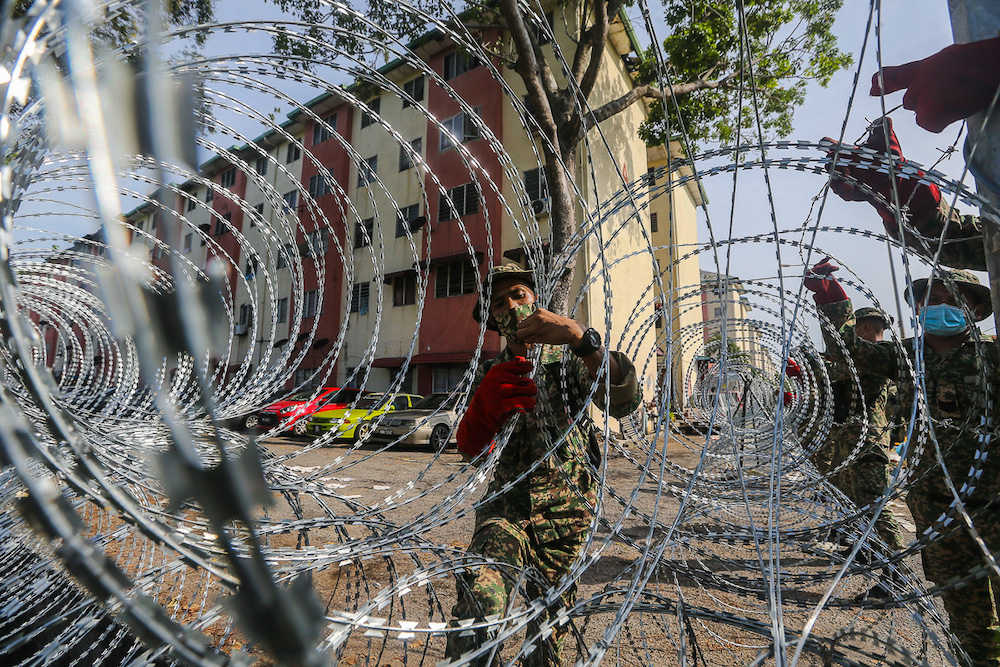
x=370, y=402
x=433, y=402
x=301, y=396
x=344, y=395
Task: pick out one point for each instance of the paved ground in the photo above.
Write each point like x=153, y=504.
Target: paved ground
x=707, y=593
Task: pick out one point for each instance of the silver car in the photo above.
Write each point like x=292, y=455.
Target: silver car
x=428, y=422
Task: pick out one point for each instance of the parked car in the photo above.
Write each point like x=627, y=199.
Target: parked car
x=429, y=422
x=299, y=407
x=354, y=422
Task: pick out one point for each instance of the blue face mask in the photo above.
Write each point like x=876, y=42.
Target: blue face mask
x=944, y=320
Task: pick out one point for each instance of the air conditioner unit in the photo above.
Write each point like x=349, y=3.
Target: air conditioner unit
x=540, y=207
x=240, y=330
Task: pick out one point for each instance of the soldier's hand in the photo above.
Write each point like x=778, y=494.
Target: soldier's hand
x=952, y=84
x=820, y=281
x=544, y=326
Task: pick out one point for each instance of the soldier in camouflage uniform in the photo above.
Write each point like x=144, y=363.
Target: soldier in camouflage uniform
x=860, y=421
x=540, y=522
x=961, y=368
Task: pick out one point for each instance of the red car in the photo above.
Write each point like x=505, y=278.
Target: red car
x=294, y=411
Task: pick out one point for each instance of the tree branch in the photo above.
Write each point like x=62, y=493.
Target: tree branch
x=616, y=106
x=534, y=71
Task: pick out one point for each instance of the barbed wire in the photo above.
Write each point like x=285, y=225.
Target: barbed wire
x=145, y=524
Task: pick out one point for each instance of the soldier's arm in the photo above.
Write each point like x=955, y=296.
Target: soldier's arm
x=620, y=398
x=960, y=237
x=879, y=358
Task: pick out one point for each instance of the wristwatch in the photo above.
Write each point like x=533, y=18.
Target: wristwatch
x=591, y=343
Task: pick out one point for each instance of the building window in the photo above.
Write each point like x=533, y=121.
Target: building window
x=458, y=201
x=246, y=314
x=414, y=88
x=367, y=118
x=309, y=303
x=461, y=126
x=261, y=166
x=405, y=218
x=454, y=278
x=457, y=63
x=281, y=311
x=228, y=179
x=221, y=224
x=654, y=225
x=367, y=170
x=155, y=222
x=317, y=242
x=320, y=132
x=285, y=254
x=359, y=298
x=191, y=203
x=188, y=239
x=542, y=35
x=407, y=155
x=291, y=201
x=139, y=224
x=293, y=152
x=404, y=290
x=447, y=377
x=259, y=211
x=306, y=378
x=209, y=194
x=251, y=268
x=363, y=232
x=318, y=186
x=536, y=184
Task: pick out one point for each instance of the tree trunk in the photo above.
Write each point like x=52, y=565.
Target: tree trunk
x=562, y=219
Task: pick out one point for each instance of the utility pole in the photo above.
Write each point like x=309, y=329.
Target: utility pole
x=972, y=21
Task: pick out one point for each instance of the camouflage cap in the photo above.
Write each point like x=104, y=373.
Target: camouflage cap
x=977, y=293
x=870, y=311
x=498, y=272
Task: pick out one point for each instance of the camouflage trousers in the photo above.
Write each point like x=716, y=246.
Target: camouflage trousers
x=972, y=616
x=486, y=591
x=864, y=481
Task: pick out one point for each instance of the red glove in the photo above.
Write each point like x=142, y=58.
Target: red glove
x=920, y=198
x=792, y=369
x=823, y=285
x=503, y=391
x=952, y=84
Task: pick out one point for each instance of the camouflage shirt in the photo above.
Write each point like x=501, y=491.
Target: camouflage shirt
x=961, y=407
x=553, y=498
x=848, y=404
x=963, y=246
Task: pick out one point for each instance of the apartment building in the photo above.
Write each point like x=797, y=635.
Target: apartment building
x=375, y=207
x=724, y=303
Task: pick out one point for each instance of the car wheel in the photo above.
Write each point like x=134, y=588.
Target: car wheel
x=250, y=421
x=361, y=431
x=301, y=428
x=439, y=437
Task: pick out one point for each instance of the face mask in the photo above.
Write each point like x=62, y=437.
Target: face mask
x=507, y=322
x=944, y=320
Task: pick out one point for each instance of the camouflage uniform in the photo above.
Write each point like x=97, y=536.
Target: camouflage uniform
x=957, y=404
x=542, y=521
x=963, y=246
x=866, y=478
